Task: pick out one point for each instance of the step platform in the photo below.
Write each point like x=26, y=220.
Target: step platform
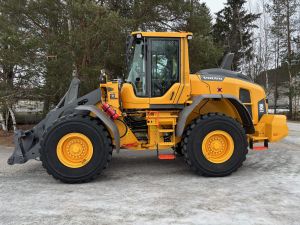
x=259, y=148
x=166, y=156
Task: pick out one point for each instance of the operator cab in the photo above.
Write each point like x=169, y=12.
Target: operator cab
x=155, y=69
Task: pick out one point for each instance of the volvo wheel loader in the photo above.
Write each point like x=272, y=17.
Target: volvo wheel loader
x=211, y=117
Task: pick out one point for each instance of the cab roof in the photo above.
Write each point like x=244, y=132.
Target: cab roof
x=181, y=34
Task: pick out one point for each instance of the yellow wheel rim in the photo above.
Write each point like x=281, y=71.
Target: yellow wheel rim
x=217, y=146
x=74, y=150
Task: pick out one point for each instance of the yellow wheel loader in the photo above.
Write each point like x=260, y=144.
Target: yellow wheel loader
x=211, y=117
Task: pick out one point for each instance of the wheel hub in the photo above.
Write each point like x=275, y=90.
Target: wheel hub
x=217, y=146
x=74, y=150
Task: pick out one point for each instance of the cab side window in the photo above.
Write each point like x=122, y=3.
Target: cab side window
x=137, y=72
x=164, y=65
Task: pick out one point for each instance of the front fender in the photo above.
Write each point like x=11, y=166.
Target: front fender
x=108, y=122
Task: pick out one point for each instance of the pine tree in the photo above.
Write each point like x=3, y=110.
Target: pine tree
x=42, y=41
x=233, y=30
x=178, y=15
x=203, y=51
x=16, y=60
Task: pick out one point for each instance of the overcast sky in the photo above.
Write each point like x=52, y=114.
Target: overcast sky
x=214, y=5
x=217, y=5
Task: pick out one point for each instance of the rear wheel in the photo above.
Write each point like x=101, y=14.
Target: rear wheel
x=178, y=150
x=215, y=145
x=76, y=149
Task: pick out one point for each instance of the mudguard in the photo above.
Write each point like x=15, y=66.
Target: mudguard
x=108, y=122
x=242, y=110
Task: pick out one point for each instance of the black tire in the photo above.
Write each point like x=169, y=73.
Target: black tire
x=178, y=150
x=194, y=136
x=99, y=137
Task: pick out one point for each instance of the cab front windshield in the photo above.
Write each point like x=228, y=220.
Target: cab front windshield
x=137, y=67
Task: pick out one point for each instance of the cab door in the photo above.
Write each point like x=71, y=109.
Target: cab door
x=135, y=92
x=164, y=70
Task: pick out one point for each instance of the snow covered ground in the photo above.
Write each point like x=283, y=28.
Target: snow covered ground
x=294, y=133
x=139, y=189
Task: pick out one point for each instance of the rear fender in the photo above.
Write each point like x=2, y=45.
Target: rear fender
x=241, y=109
x=110, y=125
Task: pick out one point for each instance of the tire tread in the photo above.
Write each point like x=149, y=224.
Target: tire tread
x=189, y=130
x=107, y=141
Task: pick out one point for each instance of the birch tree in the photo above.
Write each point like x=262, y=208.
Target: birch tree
x=284, y=14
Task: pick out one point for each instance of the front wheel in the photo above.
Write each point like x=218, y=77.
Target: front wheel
x=215, y=145
x=76, y=149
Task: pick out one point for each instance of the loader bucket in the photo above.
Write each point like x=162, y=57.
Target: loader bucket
x=27, y=143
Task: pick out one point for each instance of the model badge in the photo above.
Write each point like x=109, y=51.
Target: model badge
x=212, y=78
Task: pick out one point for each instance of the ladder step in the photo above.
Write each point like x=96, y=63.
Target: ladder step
x=166, y=156
x=166, y=143
x=258, y=138
x=166, y=130
x=259, y=148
